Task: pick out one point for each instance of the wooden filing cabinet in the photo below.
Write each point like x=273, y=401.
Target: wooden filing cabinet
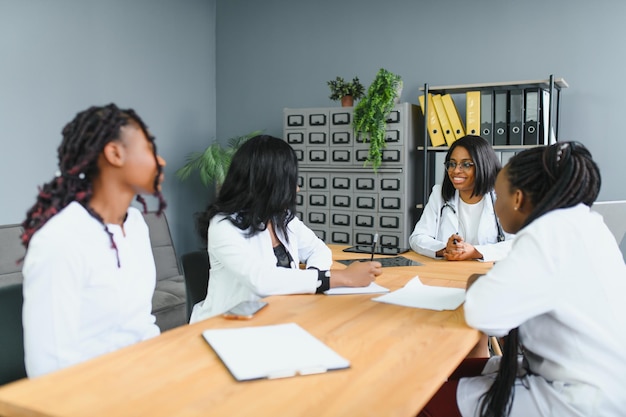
x=342, y=200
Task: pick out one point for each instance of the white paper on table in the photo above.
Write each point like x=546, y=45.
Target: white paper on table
x=416, y=294
x=373, y=288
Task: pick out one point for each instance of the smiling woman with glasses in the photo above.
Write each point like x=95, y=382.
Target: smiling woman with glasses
x=459, y=221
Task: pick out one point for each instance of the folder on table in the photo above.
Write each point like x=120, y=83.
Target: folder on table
x=500, y=113
x=472, y=113
x=446, y=127
x=532, y=110
x=274, y=351
x=434, y=128
x=486, y=116
x=516, y=116
x=453, y=116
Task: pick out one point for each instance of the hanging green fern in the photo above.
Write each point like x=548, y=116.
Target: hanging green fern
x=370, y=115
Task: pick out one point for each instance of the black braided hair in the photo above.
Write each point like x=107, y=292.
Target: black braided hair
x=552, y=177
x=557, y=176
x=84, y=139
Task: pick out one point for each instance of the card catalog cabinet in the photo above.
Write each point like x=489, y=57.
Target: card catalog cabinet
x=342, y=200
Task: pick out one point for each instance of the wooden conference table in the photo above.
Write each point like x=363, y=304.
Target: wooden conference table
x=399, y=357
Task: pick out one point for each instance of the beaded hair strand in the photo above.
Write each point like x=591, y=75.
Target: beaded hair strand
x=84, y=138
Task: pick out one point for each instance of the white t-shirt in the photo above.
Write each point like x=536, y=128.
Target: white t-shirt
x=563, y=285
x=469, y=219
x=77, y=303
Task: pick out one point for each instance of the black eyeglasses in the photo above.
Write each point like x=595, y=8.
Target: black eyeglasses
x=464, y=165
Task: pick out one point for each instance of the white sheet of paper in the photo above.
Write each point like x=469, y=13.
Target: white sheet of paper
x=274, y=351
x=373, y=288
x=416, y=294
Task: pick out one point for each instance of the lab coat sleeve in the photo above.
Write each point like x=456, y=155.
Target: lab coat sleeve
x=516, y=289
x=244, y=260
x=424, y=240
x=496, y=251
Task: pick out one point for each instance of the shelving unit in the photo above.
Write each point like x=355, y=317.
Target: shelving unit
x=342, y=200
x=429, y=174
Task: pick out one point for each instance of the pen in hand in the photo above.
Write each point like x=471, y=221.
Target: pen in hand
x=374, y=246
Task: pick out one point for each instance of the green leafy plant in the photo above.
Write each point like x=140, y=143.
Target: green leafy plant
x=212, y=164
x=340, y=88
x=370, y=115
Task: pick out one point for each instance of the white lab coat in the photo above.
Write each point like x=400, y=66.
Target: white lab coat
x=436, y=225
x=563, y=285
x=78, y=304
x=244, y=268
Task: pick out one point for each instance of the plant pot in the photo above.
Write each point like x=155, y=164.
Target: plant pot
x=347, y=101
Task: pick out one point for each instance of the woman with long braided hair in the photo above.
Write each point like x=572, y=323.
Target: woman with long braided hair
x=89, y=272
x=557, y=296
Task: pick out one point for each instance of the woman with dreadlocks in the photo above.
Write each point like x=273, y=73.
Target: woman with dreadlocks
x=558, y=296
x=89, y=273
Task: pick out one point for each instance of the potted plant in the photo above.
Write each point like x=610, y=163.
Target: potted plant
x=347, y=92
x=212, y=164
x=370, y=115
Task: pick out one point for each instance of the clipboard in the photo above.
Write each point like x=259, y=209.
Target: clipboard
x=274, y=351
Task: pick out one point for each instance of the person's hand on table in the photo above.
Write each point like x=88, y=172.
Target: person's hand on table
x=357, y=274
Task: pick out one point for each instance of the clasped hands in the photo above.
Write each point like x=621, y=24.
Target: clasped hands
x=459, y=250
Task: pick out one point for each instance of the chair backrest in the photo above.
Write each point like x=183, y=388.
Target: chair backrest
x=12, y=334
x=162, y=246
x=614, y=214
x=196, y=272
x=11, y=250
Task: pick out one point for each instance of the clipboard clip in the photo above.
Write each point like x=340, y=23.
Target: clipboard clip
x=287, y=373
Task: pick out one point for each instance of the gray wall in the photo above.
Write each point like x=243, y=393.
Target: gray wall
x=59, y=57
x=197, y=70
x=273, y=54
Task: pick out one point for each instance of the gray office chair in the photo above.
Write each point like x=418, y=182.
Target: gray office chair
x=196, y=272
x=11, y=334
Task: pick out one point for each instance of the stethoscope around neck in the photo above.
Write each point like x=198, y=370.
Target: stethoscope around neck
x=446, y=205
x=498, y=226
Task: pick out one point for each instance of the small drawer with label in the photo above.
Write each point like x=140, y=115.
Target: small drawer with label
x=318, y=199
x=315, y=217
x=341, y=201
